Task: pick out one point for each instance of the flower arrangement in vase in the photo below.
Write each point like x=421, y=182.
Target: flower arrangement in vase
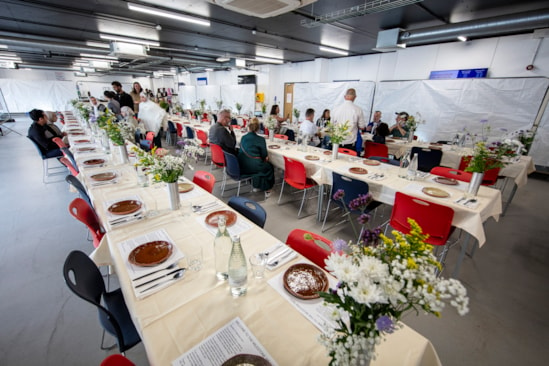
x=238, y=107
x=376, y=286
x=296, y=114
x=338, y=132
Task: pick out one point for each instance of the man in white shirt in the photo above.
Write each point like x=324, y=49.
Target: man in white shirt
x=348, y=111
x=308, y=128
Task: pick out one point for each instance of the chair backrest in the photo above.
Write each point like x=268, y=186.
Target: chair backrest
x=352, y=187
x=203, y=137
x=205, y=180
x=279, y=136
x=171, y=127
x=385, y=160
x=150, y=138
x=69, y=165
x=347, y=151
x=73, y=181
x=427, y=158
x=249, y=208
x=218, y=158
x=434, y=219
x=490, y=176
x=374, y=149
x=452, y=173
x=68, y=154
x=84, y=213
x=179, y=130
x=116, y=360
x=190, y=132
x=295, y=173
x=59, y=142
x=232, y=168
x=41, y=152
x=316, y=249
x=265, y=131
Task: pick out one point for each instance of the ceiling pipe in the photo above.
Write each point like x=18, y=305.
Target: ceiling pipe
x=476, y=28
x=47, y=45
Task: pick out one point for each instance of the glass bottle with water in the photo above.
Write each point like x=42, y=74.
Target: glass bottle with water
x=404, y=164
x=238, y=270
x=222, y=250
x=412, y=168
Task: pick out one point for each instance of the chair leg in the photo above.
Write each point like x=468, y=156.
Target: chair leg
x=302, y=202
x=326, y=215
x=106, y=348
x=238, y=189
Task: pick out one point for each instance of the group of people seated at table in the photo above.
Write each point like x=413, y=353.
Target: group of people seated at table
x=43, y=130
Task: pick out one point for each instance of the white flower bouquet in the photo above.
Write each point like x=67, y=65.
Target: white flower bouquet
x=338, y=132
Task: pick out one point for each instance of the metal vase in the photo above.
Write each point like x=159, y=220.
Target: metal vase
x=173, y=193
x=122, y=153
x=411, y=136
x=474, y=184
x=335, y=151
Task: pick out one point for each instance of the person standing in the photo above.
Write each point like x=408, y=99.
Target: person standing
x=122, y=97
x=39, y=132
x=348, y=111
x=153, y=118
x=136, y=96
x=222, y=134
x=374, y=123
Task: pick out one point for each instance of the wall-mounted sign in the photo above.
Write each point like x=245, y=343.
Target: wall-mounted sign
x=202, y=81
x=458, y=74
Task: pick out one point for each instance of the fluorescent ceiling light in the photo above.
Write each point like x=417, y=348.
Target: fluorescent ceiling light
x=97, y=44
x=10, y=58
x=269, y=60
x=130, y=40
x=334, y=50
x=208, y=69
x=167, y=14
x=3, y=46
x=98, y=56
x=462, y=38
x=222, y=59
x=88, y=69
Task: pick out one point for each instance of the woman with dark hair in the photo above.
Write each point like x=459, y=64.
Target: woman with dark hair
x=112, y=104
x=324, y=119
x=381, y=132
x=275, y=110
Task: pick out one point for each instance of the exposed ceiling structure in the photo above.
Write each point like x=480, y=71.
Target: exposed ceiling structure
x=150, y=36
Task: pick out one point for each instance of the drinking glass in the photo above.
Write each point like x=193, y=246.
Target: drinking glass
x=258, y=262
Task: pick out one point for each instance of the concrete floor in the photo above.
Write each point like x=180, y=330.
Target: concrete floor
x=43, y=323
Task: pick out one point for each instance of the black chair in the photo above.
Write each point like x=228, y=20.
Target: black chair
x=84, y=279
x=249, y=208
x=73, y=181
x=232, y=169
x=383, y=159
x=48, y=171
x=427, y=158
x=171, y=136
x=189, y=132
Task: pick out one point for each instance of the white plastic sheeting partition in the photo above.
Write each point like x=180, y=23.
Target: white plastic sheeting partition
x=320, y=96
x=450, y=106
x=540, y=148
x=228, y=94
x=187, y=96
x=209, y=93
x=49, y=95
x=243, y=94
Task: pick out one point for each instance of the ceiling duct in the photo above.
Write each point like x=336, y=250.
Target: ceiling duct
x=262, y=8
x=482, y=28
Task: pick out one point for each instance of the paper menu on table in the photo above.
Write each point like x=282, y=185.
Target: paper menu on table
x=232, y=339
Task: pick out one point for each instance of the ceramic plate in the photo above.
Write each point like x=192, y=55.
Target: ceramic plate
x=327, y=152
x=125, y=207
x=389, y=140
x=85, y=149
x=435, y=192
x=76, y=133
x=92, y=162
x=246, y=360
x=151, y=253
x=433, y=147
x=185, y=187
x=371, y=162
x=274, y=146
x=312, y=157
x=357, y=170
x=447, y=181
x=230, y=218
x=103, y=176
x=82, y=141
x=304, y=281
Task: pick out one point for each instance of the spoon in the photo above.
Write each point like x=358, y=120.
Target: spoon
x=173, y=265
x=275, y=263
x=178, y=274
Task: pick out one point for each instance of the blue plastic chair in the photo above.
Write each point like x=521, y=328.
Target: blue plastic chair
x=48, y=171
x=73, y=181
x=232, y=169
x=171, y=136
x=249, y=208
x=190, y=133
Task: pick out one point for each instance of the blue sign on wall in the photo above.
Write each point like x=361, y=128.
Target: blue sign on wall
x=458, y=74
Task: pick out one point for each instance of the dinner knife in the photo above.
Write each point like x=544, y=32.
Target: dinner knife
x=278, y=255
x=159, y=277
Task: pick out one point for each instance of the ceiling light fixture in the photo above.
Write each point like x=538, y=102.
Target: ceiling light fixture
x=3, y=46
x=208, y=69
x=269, y=60
x=167, y=14
x=334, y=50
x=222, y=59
x=97, y=44
x=130, y=40
x=462, y=38
x=103, y=57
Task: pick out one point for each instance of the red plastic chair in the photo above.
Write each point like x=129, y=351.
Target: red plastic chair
x=84, y=213
x=374, y=149
x=179, y=129
x=279, y=136
x=347, y=151
x=150, y=137
x=296, y=176
x=205, y=180
x=69, y=165
x=266, y=131
x=316, y=249
x=490, y=176
x=236, y=127
x=116, y=360
x=59, y=142
x=452, y=173
x=217, y=156
x=203, y=137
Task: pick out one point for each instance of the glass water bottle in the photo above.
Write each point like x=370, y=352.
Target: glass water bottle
x=238, y=270
x=404, y=164
x=412, y=168
x=222, y=250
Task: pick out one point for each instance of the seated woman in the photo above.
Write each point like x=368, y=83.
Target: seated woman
x=53, y=130
x=253, y=159
x=381, y=132
x=399, y=129
x=275, y=110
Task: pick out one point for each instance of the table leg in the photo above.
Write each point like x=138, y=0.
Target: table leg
x=511, y=196
x=320, y=202
x=464, y=246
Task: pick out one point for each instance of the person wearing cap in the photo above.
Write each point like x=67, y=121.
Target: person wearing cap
x=348, y=111
x=399, y=129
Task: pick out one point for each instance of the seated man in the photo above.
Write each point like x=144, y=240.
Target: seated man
x=400, y=129
x=309, y=129
x=222, y=134
x=37, y=132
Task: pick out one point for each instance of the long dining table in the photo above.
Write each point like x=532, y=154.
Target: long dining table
x=180, y=315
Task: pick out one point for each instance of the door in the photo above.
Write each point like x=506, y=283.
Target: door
x=288, y=100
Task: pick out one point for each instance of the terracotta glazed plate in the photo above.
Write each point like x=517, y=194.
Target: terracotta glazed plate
x=103, y=176
x=185, y=187
x=76, y=133
x=447, y=181
x=274, y=146
x=82, y=141
x=371, y=162
x=246, y=360
x=304, y=281
x=328, y=152
x=230, y=218
x=312, y=157
x=125, y=207
x=389, y=140
x=85, y=149
x=435, y=192
x=357, y=170
x=93, y=162
x=151, y=253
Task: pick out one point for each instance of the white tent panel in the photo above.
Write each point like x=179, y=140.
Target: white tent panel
x=187, y=96
x=209, y=93
x=540, y=148
x=50, y=95
x=243, y=94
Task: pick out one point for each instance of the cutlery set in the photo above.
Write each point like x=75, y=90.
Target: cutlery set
x=126, y=219
x=206, y=207
x=466, y=202
x=276, y=259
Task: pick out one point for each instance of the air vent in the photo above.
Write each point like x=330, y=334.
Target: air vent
x=128, y=50
x=262, y=8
